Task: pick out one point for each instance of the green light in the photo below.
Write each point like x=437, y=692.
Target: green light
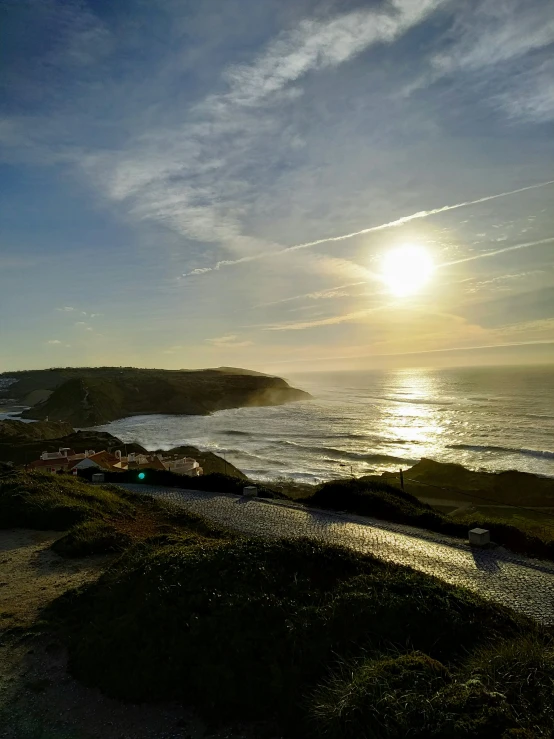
x=141, y=475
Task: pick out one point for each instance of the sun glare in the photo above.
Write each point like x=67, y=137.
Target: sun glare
x=407, y=269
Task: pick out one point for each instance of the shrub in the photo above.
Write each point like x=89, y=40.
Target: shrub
x=523, y=670
x=386, y=697
x=377, y=499
x=91, y=537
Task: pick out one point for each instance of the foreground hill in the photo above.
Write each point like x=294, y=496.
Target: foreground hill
x=93, y=396
x=282, y=638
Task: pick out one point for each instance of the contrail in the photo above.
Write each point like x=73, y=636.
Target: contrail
x=391, y=224
x=499, y=251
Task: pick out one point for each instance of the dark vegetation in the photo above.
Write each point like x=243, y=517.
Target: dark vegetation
x=216, y=482
x=377, y=499
x=430, y=479
x=93, y=396
x=97, y=519
x=326, y=642
x=322, y=641
x=57, y=502
x=12, y=430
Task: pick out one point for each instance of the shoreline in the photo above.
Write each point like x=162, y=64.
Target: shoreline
x=242, y=457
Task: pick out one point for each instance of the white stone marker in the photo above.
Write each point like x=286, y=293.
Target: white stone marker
x=250, y=491
x=479, y=537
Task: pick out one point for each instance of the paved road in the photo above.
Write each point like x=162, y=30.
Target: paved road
x=526, y=585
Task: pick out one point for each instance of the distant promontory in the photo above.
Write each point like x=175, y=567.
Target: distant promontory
x=93, y=396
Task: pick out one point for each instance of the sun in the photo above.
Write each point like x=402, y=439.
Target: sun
x=407, y=269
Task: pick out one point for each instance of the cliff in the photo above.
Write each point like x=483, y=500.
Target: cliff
x=93, y=396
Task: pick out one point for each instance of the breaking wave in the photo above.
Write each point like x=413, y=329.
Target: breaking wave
x=504, y=450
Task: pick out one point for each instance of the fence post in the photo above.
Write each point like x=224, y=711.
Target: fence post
x=401, y=479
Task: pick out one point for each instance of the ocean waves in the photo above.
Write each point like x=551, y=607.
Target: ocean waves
x=503, y=450
x=373, y=422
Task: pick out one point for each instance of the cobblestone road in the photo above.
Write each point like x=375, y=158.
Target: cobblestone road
x=526, y=585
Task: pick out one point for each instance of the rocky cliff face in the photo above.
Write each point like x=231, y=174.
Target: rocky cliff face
x=90, y=397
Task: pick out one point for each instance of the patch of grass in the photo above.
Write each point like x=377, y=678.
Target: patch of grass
x=248, y=629
x=91, y=537
x=383, y=697
x=523, y=671
x=503, y=690
x=98, y=520
x=43, y=501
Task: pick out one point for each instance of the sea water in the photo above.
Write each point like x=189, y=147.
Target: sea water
x=366, y=422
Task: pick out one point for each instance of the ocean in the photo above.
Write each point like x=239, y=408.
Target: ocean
x=365, y=422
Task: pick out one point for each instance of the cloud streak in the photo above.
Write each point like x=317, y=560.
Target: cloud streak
x=372, y=229
x=494, y=253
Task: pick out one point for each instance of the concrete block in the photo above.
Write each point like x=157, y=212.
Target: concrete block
x=250, y=491
x=479, y=537
x=98, y=477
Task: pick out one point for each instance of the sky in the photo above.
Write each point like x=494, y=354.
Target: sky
x=203, y=183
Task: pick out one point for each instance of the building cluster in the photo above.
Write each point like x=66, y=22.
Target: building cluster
x=66, y=460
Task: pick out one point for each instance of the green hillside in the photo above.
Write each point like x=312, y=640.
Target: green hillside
x=93, y=396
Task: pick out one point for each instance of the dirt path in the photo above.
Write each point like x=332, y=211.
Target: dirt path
x=38, y=698
x=31, y=575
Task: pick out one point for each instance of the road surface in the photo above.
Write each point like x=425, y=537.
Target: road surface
x=525, y=584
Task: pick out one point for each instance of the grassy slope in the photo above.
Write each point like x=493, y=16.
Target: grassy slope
x=441, y=480
x=326, y=642
x=92, y=396
x=96, y=518
x=17, y=431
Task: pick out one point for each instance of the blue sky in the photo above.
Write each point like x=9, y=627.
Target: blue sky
x=160, y=162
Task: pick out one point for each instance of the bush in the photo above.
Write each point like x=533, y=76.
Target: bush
x=246, y=629
x=377, y=499
x=91, y=537
x=387, y=697
x=523, y=670
x=40, y=500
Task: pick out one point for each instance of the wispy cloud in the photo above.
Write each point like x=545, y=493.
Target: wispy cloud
x=495, y=252
x=317, y=44
x=530, y=94
x=495, y=31
x=194, y=178
x=328, y=294
x=54, y=341
x=403, y=220
x=331, y=321
x=230, y=341
x=66, y=309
